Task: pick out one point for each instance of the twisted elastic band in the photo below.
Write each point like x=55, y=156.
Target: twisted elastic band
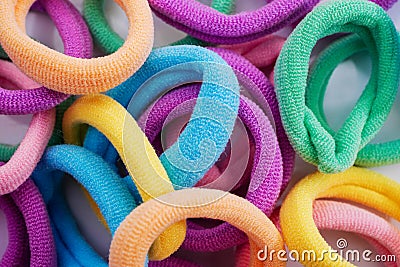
x=307, y=135
x=21, y=165
x=77, y=43
x=332, y=215
x=136, y=152
x=105, y=187
x=17, y=251
x=356, y=184
x=205, y=137
x=151, y=218
x=110, y=41
x=372, y=154
x=209, y=25
x=266, y=174
x=72, y=75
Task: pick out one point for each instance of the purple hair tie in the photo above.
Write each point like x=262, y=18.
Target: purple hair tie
x=77, y=43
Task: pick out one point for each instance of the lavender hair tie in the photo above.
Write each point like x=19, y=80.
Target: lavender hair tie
x=209, y=25
x=266, y=175
x=77, y=42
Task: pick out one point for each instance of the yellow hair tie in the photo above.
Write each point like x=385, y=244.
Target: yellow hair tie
x=359, y=185
x=110, y=118
x=76, y=75
x=136, y=233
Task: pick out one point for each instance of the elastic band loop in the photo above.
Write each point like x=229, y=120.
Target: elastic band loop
x=136, y=152
x=72, y=75
x=209, y=25
x=157, y=216
x=77, y=43
x=367, y=188
x=195, y=151
x=110, y=41
x=307, y=135
x=372, y=154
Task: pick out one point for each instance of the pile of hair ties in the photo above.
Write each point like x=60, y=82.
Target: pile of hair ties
x=190, y=148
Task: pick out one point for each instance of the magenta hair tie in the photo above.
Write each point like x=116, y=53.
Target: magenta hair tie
x=172, y=262
x=207, y=24
x=29, y=201
x=77, y=43
x=266, y=175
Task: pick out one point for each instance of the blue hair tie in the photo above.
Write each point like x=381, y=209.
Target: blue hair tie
x=207, y=133
x=107, y=189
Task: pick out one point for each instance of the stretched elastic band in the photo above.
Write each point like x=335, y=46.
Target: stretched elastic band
x=307, y=135
x=17, y=251
x=266, y=174
x=33, y=98
x=209, y=25
x=151, y=218
x=205, y=137
x=72, y=75
x=136, y=152
x=323, y=67
x=356, y=184
x=21, y=165
x=110, y=41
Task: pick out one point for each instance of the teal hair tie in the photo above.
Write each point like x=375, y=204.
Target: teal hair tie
x=335, y=152
x=110, y=41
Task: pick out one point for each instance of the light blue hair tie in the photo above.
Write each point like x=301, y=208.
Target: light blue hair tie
x=207, y=133
x=107, y=189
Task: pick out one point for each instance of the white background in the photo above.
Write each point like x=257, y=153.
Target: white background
x=344, y=88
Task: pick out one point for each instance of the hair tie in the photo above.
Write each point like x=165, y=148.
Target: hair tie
x=150, y=177
x=209, y=25
x=307, y=135
x=72, y=75
x=33, y=98
x=372, y=154
x=151, y=218
x=358, y=185
x=196, y=150
x=110, y=41
x=33, y=210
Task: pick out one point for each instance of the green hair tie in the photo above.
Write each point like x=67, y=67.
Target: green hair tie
x=110, y=41
x=306, y=127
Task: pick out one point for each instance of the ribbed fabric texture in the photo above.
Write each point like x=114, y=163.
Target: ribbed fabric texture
x=309, y=138
x=151, y=218
x=110, y=41
x=33, y=98
x=105, y=114
x=356, y=184
x=72, y=75
x=204, y=23
x=372, y=154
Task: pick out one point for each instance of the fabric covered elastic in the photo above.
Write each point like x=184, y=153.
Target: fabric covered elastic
x=309, y=138
x=226, y=29
x=33, y=98
x=332, y=215
x=105, y=187
x=21, y=165
x=17, y=251
x=72, y=75
x=150, y=219
x=266, y=174
x=151, y=179
x=196, y=150
x=109, y=41
x=358, y=185
x=372, y=154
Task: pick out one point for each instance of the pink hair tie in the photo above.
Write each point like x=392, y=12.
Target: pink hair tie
x=21, y=165
x=339, y=216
